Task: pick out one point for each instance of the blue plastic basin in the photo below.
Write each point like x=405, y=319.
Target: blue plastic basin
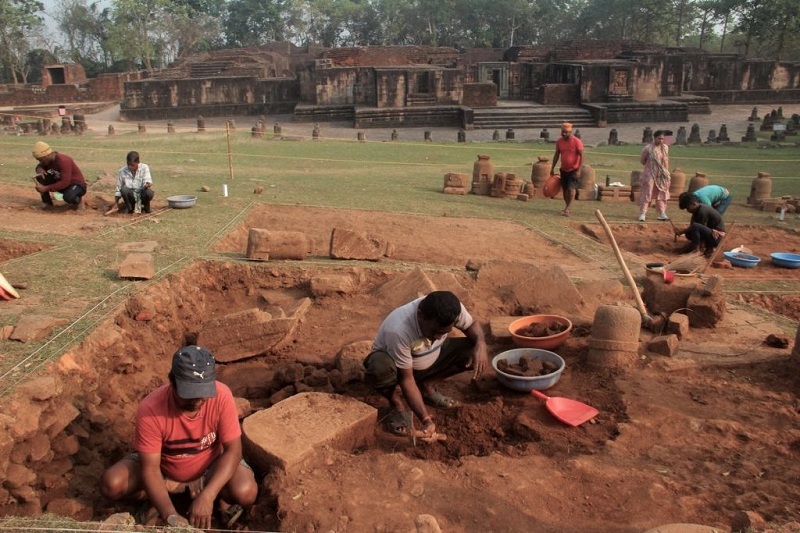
x=742, y=259
x=528, y=383
x=786, y=259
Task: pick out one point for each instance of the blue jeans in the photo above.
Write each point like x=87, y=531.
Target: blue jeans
x=723, y=204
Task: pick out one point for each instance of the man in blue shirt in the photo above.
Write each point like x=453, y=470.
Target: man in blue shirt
x=717, y=197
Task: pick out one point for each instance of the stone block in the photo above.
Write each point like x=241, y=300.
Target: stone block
x=713, y=285
x=771, y=205
x=706, y=311
x=404, y=288
x=747, y=521
x=455, y=190
x=585, y=194
x=293, y=434
x=328, y=284
x=138, y=247
x=523, y=197
x=663, y=345
x=265, y=245
x=666, y=298
x=456, y=180
x=551, y=289
x=31, y=328
x=614, y=194
x=350, y=360
x=137, y=266
x=498, y=327
x=678, y=324
x=349, y=244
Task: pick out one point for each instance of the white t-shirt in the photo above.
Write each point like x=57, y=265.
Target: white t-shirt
x=401, y=337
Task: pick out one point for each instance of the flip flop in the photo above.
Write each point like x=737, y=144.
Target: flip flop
x=399, y=423
x=437, y=399
x=231, y=515
x=566, y=213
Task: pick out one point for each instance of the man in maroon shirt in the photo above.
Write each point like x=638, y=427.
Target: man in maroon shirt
x=570, y=149
x=58, y=173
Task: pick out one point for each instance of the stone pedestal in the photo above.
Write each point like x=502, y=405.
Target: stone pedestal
x=615, y=337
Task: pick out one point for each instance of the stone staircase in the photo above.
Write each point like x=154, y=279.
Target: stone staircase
x=523, y=117
x=208, y=69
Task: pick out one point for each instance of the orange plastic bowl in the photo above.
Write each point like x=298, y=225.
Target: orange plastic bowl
x=543, y=343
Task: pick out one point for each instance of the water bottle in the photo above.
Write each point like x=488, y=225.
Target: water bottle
x=608, y=180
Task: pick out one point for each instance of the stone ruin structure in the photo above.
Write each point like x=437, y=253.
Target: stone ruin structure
x=593, y=83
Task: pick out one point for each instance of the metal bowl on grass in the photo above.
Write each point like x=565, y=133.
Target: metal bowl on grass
x=528, y=383
x=183, y=201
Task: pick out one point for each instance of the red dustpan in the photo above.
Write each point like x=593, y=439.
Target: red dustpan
x=571, y=412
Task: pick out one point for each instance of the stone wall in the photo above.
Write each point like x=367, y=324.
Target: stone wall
x=480, y=95
x=185, y=98
x=63, y=74
x=562, y=94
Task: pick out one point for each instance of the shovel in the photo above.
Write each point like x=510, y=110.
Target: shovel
x=571, y=412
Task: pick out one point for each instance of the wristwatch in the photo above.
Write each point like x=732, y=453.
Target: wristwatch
x=173, y=520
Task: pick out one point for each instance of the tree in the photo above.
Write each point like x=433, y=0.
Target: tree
x=18, y=19
x=85, y=27
x=254, y=22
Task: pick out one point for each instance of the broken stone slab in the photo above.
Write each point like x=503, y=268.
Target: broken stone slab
x=139, y=247
x=247, y=333
x=404, y=288
x=551, y=289
x=137, y=266
x=502, y=278
x=31, y=328
x=349, y=244
x=455, y=190
x=292, y=434
x=266, y=245
x=350, y=360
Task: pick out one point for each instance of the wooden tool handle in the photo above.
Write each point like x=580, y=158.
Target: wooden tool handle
x=717, y=249
x=628, y=277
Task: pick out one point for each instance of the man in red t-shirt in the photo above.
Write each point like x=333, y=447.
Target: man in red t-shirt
x=57, y=172
x=570, y=149
x=187, y=438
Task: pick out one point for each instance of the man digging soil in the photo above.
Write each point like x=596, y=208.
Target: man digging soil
x=412, y=349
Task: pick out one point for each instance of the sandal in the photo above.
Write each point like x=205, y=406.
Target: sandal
x=566, y=213
x=437, y=399
x=230, y=515
x=398, y=423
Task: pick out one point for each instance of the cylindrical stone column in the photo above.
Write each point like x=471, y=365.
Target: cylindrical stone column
x=615, y=337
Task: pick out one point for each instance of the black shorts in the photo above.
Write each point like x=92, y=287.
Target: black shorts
x=569, y=179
